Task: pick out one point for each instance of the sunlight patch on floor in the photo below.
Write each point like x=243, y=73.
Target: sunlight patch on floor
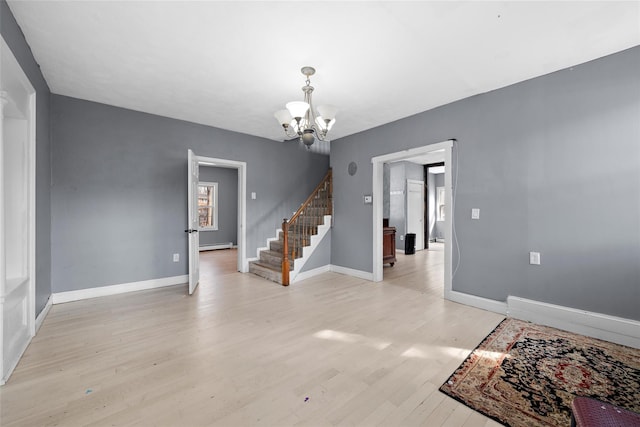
x=328, y=334
x=434, y=351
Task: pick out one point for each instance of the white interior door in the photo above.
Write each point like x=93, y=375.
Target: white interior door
x=415, y=211
x=193, y=225
x=17, y=212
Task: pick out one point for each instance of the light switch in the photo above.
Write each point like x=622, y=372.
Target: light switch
x=253, y=195
x=475, y=213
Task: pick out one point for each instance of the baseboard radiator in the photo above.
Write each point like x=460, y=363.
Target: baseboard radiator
x=215, y=246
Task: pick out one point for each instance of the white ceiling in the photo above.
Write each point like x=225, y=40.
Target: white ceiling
x=232, y=64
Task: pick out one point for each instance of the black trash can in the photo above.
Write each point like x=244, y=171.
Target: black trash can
x=410, y=243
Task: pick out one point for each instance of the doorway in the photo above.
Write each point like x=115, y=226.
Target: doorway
x=17, y=212
x=434, y=203
x=218, y=220
x=193, y=226
x=445, y=148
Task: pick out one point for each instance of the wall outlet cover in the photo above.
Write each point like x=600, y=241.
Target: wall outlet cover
x=475, y=213
x=534, y=258
x=368, y=199
x=176, y=257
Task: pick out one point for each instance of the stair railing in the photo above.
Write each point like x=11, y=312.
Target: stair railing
x=299, y=228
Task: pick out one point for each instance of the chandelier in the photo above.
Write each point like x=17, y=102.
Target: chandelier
x=301, y=120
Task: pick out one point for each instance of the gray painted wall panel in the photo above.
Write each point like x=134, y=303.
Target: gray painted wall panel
x=14, y=38
x=397, y=187
x=119, y=190
x=227, y=180
x=321, y=256
x=537, y=158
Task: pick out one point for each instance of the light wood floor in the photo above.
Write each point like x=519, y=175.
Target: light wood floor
x=331, y=350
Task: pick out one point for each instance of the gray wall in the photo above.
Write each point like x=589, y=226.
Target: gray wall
x=399, y=172
x=537, y=158
x=321, y=256
x=227, y=180
x=397, y=189
x=386, y=188
x=119, y=190
x=14, y=38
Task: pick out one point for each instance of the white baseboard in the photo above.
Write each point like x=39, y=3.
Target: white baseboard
x=596, y=325
x=400, y=251
x=351, y=272
x=478, y=302
x=62, y=297
x=43, y=314
x=310, y=273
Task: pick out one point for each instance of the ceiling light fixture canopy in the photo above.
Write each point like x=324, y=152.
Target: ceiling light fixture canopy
x=300, y=118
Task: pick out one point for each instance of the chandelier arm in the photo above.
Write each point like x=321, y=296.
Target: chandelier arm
x=290, y=132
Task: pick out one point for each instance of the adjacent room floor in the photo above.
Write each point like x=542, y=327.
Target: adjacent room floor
x=329, y=350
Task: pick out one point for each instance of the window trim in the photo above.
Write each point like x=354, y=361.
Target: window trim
x=214, y=226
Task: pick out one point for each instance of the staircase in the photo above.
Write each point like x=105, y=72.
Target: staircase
x=298, y=237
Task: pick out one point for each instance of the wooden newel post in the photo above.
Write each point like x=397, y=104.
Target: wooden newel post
x=285, y=252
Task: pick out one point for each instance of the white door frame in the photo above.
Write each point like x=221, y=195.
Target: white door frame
x=243, y=264
x=377, y=190
x=11, y=67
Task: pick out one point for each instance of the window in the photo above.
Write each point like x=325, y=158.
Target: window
x=208, y=205
x=440, y=203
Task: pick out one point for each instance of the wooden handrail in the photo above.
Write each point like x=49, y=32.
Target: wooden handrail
x=305, y=230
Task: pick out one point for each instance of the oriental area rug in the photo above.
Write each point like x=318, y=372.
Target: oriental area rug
x=524, y=374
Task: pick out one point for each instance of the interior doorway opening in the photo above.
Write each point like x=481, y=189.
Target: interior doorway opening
x=195, y=163
x=218, y=220
x=433, y=153
x=434, y=214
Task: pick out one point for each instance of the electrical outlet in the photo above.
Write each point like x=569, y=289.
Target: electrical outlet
x=401, y=237
x=475, y=213
x=534, y=258
x=176, y=257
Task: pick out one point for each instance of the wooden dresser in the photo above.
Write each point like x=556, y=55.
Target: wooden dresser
x=389, y=245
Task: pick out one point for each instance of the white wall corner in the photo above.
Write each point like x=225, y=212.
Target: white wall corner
x=43, y=313
x=81, y=294
x=597, y=325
